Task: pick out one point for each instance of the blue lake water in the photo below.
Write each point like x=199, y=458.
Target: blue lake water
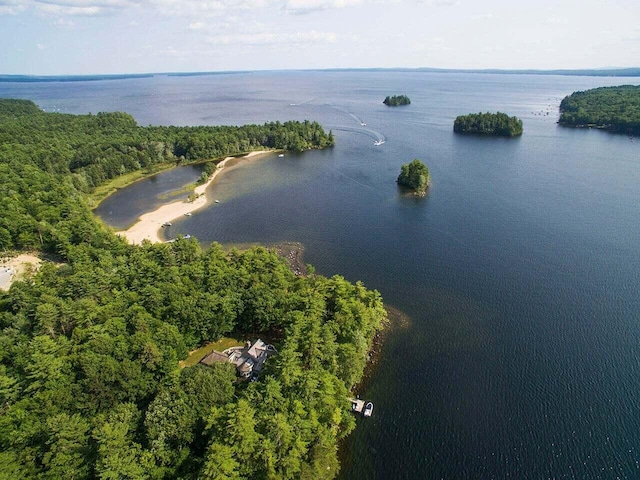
x=520, y=271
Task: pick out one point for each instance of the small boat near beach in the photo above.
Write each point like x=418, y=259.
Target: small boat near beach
x=166, y=224
x=216, y=201
x=368, y=409
x=188, y=214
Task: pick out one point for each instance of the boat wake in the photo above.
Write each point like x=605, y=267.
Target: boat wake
x=378, y=137
x=302, y=103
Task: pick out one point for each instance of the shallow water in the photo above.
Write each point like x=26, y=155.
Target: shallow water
x=520, y=270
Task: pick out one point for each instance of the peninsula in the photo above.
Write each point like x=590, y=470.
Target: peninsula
x=149, y=224
x=495, y=124
x=616, y=109
x=91, y=378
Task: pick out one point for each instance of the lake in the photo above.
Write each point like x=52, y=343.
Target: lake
x=519, y=271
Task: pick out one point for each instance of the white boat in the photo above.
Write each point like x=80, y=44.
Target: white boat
x=166, y=224
x=188, y=214
x=378, y=142
x=363, y=124
x=368, y=409
x=217, y=201
x=281, y=155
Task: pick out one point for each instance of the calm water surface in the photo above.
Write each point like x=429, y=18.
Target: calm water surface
x=520, y=270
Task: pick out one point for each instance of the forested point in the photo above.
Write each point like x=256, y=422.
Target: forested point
x=616, y=109
x=90, y=385
x=415, y=175
x=396, y=100
x=497, y=124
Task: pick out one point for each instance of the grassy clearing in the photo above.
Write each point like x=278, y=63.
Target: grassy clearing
x=103, y=191
x=197, y=355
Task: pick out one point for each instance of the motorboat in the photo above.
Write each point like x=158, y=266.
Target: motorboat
x=368, y=409
x=378, y=142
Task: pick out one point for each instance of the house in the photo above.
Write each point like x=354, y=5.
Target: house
x=248, y=360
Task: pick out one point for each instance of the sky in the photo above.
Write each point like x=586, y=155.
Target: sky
x=85, y=37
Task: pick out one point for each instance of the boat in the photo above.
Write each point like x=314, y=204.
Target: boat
x=378, y=142
x=281, y=155
x=188, y=214
x=187, y=236
x=363, y=124
x=166, y=224
x=217, y=201
x=368, y=409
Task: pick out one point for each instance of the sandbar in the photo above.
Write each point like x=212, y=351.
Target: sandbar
x=149, y=224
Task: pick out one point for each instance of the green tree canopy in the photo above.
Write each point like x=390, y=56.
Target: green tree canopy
x=497, y=124
x=415, y=175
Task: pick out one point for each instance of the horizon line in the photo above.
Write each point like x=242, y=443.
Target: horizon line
x=601, y=71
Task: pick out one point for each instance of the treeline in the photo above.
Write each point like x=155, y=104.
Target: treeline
x=498, y=124
x=48, y=160
x=89, y=347
x=614, y=108
x=396, y=100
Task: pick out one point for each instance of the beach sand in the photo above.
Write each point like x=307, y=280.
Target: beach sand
x=149, y=224
x=14, y=269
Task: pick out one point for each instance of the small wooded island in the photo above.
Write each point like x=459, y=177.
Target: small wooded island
x=616, y=109
x=415, y=175
x=496, y=124
x=396, y=100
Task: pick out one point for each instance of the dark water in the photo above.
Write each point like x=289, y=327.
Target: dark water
x=520, y=270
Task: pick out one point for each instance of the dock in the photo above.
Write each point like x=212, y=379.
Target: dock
x=357, y=405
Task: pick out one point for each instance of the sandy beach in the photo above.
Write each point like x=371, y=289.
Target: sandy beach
x=149, y=224
x=14, y=268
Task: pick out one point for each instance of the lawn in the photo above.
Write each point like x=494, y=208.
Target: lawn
x=220, y=345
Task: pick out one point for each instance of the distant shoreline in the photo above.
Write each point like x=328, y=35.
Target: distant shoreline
x=592, y=72
x=149, y=224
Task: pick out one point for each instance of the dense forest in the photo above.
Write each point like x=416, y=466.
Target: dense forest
x=614, y=108
x=497, y=124
x=396, y=100
x=49, y=160
x=90, y=384
x=415, y=175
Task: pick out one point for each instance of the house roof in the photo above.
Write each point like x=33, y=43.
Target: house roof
x=215, y=357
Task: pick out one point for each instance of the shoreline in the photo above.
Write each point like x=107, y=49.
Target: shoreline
x=148, y=225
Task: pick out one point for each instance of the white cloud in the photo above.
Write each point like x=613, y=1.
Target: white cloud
x=300, y=7
x=61, y=10
x=262, y=39
x=11, y=7
x=557, y=21
x=196, y=25
x=63, y=23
